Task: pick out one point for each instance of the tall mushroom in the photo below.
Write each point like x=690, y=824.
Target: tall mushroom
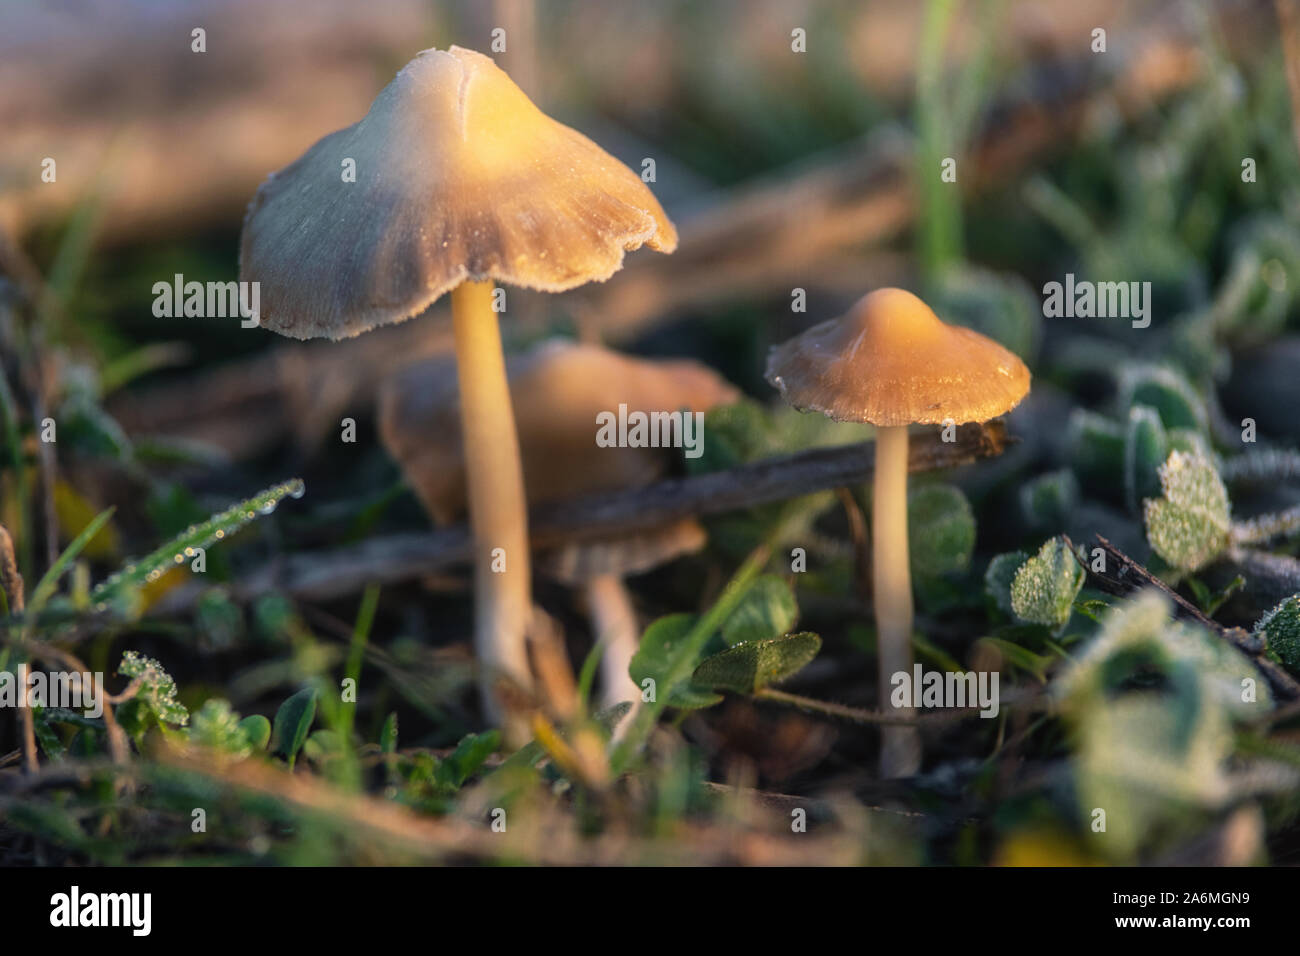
x=891, y=362
x=452, y=181
x=558, y=390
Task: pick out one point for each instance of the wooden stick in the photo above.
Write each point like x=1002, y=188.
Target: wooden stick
x=1124, y=576
x=393, y=558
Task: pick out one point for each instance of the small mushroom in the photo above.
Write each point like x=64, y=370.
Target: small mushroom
x=598, y=568
x=891, y=362
x=460, y=181
x=558, y=391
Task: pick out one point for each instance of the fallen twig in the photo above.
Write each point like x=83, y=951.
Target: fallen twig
x=1124, y=576
x=384, y=560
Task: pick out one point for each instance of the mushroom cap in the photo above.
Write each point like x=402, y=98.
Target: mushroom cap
x=579, y=561
x=891, y=361
x=458, y=176
x=557, y=391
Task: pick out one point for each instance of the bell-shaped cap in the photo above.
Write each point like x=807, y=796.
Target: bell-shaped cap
x=890, y=361
x=557, y=390
x=578, y=562
x=457, y=175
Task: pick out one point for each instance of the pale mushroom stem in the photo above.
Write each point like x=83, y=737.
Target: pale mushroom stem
x=614, y=621
x=498, y=512
x=900, y=752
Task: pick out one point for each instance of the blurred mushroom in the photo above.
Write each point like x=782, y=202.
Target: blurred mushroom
x=558, y=390
x=598, y=568
x=459, y=181
x=891, y=362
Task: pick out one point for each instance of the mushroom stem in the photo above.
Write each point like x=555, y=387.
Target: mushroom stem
x=900, y=753
x=498, y=513
x=614, y=620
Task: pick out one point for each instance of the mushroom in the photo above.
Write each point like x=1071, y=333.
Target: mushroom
x=598, y=568
x=460, y=181
x=558, y=391
x=891, y=362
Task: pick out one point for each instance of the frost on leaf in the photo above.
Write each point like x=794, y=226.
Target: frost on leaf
x=997, y=579
x=217, y=727
x=941, y=531
x=1150, y=766
x=1166, y=391
x=1280, y=628
x=157, y=689
x=1048, y=500
x=1151, y=702
x=749, y=667
x=1146, y=445
x=1188, y=527
x=1140, y=639
x=1044, y=589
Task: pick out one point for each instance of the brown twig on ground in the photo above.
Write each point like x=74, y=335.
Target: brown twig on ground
x=118, y=746
x=385, y=560
x=1124, y=576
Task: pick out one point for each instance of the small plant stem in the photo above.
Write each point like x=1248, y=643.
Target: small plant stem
x=891, y=577
x=498, y=515
x=614, y=622
x=854, y=715
x=940, y=211
x=643, y=720
x=587, y=675
x=890, y=717
x=352, y=671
